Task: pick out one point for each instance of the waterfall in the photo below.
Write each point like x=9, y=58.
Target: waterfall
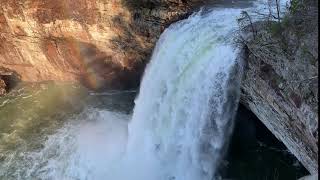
x=181, y=122
x=188, y=97
x=183, y=116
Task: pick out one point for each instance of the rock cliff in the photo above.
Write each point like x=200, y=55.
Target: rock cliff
x=281, y=81
x=104, y=44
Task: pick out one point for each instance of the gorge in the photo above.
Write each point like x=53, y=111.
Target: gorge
x=106, y=45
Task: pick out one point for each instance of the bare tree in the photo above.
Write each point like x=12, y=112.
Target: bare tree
x=278, y=9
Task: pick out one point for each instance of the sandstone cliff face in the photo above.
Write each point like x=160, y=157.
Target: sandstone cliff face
x=104, y=44
x=281, y=83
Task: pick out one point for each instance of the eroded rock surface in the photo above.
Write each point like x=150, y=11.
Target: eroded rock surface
x=281, y=83
x=105, y=44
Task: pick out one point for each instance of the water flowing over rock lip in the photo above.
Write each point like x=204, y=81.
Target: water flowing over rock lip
x=20, y=33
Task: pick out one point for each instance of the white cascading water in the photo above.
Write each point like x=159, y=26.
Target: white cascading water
x=181, y=121
x=188, y=97
x=182, y=118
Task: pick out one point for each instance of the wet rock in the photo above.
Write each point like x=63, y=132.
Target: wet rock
x=8, y=80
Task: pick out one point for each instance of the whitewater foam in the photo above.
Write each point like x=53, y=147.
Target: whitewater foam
x=183, y=115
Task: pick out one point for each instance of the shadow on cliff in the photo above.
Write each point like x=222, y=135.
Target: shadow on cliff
x=96, y=69
x=137, y=35
x=10, y=78
x=103, y=71
x=134, y=43
x=150, y=11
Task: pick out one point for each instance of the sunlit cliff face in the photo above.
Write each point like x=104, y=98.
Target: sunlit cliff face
x=102, y=43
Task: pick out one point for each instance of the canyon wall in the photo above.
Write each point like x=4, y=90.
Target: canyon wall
x=280, y=84
x=104, y=44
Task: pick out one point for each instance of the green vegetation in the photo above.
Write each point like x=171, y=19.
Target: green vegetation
x=275, y=29
x=294, y=6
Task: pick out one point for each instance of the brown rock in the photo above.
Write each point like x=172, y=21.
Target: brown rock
x=8, y=80
x=104, y=44
x=2, y=87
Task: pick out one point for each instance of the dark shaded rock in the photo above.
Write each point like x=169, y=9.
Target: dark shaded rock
x=255, y=153
x=8, y=80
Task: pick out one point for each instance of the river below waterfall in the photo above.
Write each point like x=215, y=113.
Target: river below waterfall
x=177, y=128
x=61, y=131
x=82, y=136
